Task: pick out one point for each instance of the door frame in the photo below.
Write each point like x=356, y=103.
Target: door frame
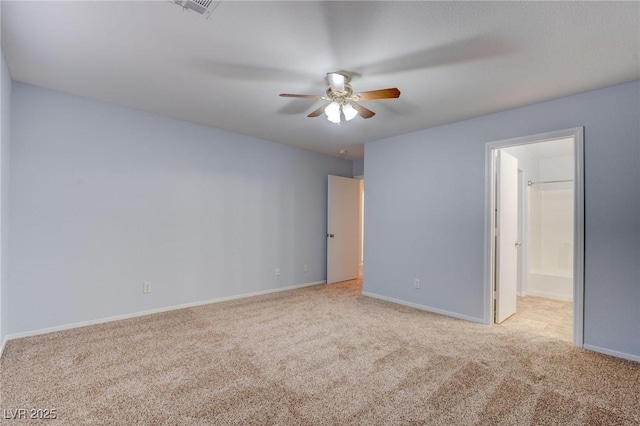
x=577, y=133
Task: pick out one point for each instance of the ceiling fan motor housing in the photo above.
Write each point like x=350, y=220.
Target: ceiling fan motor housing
x=341, y=97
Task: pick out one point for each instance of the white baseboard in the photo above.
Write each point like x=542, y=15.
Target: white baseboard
x=153, y=311
x=617, y=354
x=424, y=307
x=522, y=293
x=546, y=295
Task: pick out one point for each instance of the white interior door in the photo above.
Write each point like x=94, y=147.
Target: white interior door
x=343, y=229
x=507, y=236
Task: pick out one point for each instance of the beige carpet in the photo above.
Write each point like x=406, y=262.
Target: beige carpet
x=315, y=356
x=546, y=317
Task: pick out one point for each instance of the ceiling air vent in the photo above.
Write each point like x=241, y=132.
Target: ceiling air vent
x=203, y=7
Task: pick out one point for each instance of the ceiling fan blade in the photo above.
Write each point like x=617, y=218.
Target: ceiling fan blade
x=336, y=81
x=293, y=95
x=317, y=112
x=364, y=112
x=380, y=94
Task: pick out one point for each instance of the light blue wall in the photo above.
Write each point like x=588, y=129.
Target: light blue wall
x=358, y=168
x=104, y=198
x=5, y=134
x=424, y=210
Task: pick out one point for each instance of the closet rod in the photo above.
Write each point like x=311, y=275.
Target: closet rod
x=549, y=181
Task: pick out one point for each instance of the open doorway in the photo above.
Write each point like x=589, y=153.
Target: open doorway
x=535, y=233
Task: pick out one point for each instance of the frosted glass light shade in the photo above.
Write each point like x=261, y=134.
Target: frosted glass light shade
x=333, y=112
x=332, y=108
x=349, y=112
x=334, y=118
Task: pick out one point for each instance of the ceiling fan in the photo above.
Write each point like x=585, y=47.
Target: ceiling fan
x=343, y=101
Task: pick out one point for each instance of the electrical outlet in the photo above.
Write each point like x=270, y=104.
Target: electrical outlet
x=306, y=268
x=277, y=271
x=416, y=283
x=146, y=287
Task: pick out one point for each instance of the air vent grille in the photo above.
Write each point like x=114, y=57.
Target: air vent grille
x=203, y=7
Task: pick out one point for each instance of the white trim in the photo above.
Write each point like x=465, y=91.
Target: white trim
x=554, y=296
x=577, y=133
x=423, y=307
x=578, y=246
x=489, y=202
x=4, y=343
x=154, y=311
x=617, y=354
x=522, y=293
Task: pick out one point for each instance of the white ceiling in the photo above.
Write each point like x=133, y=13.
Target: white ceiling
x=451, y=60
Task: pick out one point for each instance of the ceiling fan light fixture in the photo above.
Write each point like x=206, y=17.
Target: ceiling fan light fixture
x=343, y=101
x=334, y=119
x=349, y=112
x=333, y=112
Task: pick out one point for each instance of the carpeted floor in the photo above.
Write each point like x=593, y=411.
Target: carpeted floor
x=316, y=356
